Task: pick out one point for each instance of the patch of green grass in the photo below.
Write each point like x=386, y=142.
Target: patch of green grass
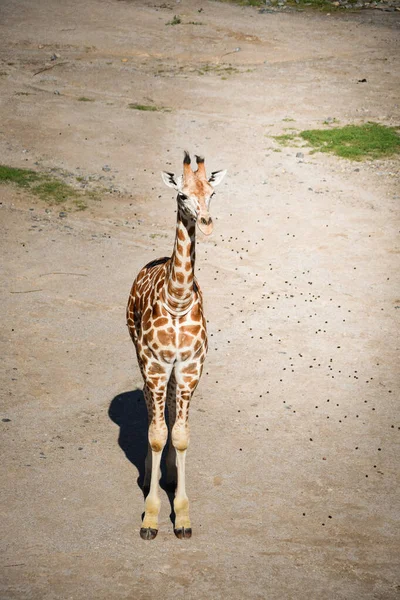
x=21, y=177
x=47, y=188
x=80, y=204
x=355, y=142
x=316, y=4
x=220, y=70
x=288, y=120
x=175, y=21
x=322, y=5
x=145, y=107
x=148, y=107
x=54, y=191
x=246, y=2
x=84, y=99
x=287, y=139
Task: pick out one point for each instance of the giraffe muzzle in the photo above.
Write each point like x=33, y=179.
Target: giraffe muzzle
x=205, y=224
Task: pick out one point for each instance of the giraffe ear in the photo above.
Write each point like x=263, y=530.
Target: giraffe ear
x=172, y=181
x=217, y=177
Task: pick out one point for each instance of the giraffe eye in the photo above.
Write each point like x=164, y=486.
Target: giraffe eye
x=182, y=196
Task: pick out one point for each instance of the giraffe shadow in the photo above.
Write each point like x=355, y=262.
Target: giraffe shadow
x=128, y=411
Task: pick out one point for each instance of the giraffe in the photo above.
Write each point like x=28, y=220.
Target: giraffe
x=166, y=322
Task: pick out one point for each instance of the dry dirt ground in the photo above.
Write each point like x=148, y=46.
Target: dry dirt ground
x=292, y=469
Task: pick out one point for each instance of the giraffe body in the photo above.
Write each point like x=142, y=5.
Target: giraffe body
x=167, y=325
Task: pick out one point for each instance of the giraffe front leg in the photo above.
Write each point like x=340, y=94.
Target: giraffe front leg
x=158, y=433
x=180, y=441
x=147, y=464
x=171, y=478
x=183, y=528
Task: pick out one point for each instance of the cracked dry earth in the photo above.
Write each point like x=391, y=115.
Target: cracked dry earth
x=292, y=472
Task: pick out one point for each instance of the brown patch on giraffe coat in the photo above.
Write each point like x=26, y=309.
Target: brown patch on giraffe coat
x=197, y=347
x=191, y=368
x=165, y=338
x=184, y=340
x=160, y=322
x=146, y=323
x=181, y=235
x=195, y=312
x=191, y=329
x=156, y=368
x=167, y=355
x=180, y=278
x=185, y=355
x=178, y=263
x=157, y=310
x=179, y=248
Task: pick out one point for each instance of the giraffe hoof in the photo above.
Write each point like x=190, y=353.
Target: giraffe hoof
x=183, y=533
x=147, y=533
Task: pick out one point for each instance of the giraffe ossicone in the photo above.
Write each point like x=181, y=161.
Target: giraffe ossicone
x=166, y=321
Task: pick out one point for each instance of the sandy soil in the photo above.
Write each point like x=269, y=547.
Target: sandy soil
x=293, y=464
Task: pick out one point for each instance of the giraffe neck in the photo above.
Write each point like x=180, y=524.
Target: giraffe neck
x=179, y=288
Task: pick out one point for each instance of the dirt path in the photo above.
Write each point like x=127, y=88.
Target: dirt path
x=293, y=464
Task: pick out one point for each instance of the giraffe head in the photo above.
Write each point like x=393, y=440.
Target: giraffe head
x=195, y=191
